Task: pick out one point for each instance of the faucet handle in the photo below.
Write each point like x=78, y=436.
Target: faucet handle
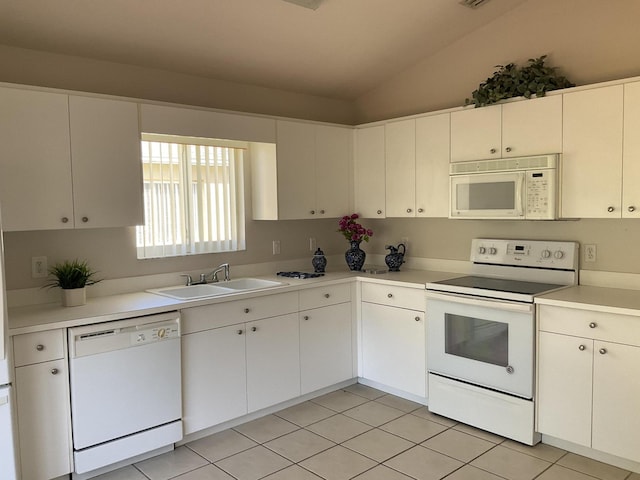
x=189, y=279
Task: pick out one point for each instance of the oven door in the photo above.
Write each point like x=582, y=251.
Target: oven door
x=487, y=195
x=482, y=341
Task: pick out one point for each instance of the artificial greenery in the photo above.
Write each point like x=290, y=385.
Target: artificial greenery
x=71, y=274
x=512, y=81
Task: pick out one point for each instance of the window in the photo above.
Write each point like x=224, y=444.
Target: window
x=193, y=196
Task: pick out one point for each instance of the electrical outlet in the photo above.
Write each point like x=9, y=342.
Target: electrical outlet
x=312, y=244
x=276, y=247
x=590, y=253
x=39, y=267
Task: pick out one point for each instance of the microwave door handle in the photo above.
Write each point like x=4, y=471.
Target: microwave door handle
x=520, y=194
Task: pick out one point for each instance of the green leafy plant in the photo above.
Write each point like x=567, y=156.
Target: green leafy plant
x=512, y=81
x=71, y=274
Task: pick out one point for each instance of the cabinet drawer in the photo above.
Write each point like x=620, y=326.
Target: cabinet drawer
x=609, y=327
x=323, y=296
x=404, y=297
x=197, y=319
x=38, y=347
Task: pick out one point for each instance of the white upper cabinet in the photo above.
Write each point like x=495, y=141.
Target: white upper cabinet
x=105, y=158
x=631, y=152
x=400, y=167
x=332, y=167
x=35, y=160
x=476, y=133
x=515, y=129
x=432, y=166
x=369, y=172
x=592, y=153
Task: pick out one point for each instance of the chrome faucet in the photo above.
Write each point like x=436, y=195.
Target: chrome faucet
x=218, y=269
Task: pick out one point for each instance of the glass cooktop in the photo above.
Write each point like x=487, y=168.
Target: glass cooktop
x=501, y=287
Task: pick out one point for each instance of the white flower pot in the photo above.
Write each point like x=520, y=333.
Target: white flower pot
x=74, y=297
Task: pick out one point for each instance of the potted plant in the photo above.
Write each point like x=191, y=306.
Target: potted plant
x=354, y=233
x=72, y=276
x=513, y=81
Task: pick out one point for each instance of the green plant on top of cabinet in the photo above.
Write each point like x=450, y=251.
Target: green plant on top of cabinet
x=68, y=161
x=369, y=172
x=513, y=129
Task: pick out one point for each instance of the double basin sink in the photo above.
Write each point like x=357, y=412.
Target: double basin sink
x=193, y=292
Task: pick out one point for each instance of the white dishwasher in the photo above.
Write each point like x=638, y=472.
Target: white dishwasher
x=126, y=388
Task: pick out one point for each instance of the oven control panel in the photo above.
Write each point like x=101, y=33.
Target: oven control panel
x=526, y=253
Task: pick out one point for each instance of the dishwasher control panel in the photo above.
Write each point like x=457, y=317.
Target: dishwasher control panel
x=154, y=334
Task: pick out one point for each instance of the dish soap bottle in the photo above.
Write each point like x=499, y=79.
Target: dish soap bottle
x=319, y=261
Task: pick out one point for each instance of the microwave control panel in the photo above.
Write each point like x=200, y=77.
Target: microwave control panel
x=529, y=253
x=540, y=194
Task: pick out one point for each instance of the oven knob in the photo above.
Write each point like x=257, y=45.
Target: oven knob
x=510, y=369
x=558, y=254
x=482, y=250
x=546, y=253
x=493, y=251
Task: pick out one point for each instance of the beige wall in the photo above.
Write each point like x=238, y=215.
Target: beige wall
x=589, y=40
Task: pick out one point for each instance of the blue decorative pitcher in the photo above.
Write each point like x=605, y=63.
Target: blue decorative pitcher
x=395, y=258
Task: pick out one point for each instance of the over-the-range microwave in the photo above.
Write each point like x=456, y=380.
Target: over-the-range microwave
x=524, y=188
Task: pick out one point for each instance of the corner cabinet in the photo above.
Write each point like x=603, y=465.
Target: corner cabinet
x=68, y=161
x=588, y=365
x=369, y=172
x=504, y=131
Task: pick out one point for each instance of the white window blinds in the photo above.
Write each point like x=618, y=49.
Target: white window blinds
x=193, y=197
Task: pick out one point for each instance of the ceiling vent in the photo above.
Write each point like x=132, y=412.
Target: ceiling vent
x=470, y=3
x=311, y=4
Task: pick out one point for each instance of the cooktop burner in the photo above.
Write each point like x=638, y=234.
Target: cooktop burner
x=300, y=274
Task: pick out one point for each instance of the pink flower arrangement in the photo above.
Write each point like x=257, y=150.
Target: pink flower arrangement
x=352, y=230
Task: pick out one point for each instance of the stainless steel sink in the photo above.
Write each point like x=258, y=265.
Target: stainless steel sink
x=193, y=292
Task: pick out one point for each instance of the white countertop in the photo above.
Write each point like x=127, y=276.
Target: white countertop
x=33, y=318
x=600, y=299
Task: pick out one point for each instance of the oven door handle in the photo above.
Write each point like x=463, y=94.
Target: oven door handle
x=482, y=302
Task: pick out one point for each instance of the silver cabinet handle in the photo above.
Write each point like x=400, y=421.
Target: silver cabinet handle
x=312, y=212
x=507, y=149
x=581, y=348
x=420, y=210
x=417, y=319
x=85, y=219
x=54, y=371
x=409, y=210
x=593, y=325
x=493, y=150
x=306, y=317
x=602, y=351
x=247, y=310
x=326, y=295
x=39, y=347
x=321, y=212
x=240, y=332
x=631, y=208
x=610, y=209
x=389, y=295
x=379, y=212
x=64, y=219
x=253, y=329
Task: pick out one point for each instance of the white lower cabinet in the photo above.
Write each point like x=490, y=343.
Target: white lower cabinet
x=393, y=338
x=43, y=408
x=588, y=366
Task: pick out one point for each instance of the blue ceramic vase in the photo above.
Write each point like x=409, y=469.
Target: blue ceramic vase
x=319, y=261
x=355, y=256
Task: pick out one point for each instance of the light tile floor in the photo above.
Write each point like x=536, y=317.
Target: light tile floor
x=364, y=434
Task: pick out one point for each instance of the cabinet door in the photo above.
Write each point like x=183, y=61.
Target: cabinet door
x=532, y=127
x=393, y=347
x=214, y=377
x=476, y=134
x=616, y=423
x=432, y=166
x=332, y=166
x=273, y=361
x=369, y=172
x=400, y=167
x=295, y=151
x=105, y=154
x=35, y=160
x=325, y=347
x=592, y=153
x=564, y=387
x=42, y=393
x=631, y=152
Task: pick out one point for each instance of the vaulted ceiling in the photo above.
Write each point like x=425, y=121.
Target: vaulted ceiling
x=342, y=49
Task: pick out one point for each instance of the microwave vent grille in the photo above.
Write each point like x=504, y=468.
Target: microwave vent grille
x=504, y=164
